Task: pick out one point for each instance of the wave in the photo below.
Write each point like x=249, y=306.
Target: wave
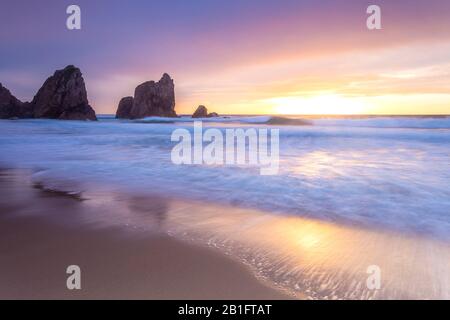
x=288, y=121
x=393, y=178
x=416, y=122
x=268, y=120
x=389, y=122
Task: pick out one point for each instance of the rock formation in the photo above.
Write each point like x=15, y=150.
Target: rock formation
x=202, y=112
x=124, y=109
x=63, y=96
x=150, y=99
x=11, y=107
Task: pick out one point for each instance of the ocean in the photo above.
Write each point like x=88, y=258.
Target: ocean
x=378, y=172
x=351, y=195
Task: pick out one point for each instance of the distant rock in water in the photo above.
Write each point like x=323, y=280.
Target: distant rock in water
x=124, y=109
x=151, y=99
x=63, y=96
x=202, y=112
x=288, y=121
x=11, y=107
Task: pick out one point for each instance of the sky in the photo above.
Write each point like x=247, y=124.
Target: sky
x=238, y=56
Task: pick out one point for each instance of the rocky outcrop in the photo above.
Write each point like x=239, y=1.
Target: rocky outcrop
x=63, y=96
x=124, y=109
x=11, y=107
x=151, y=99
x=202, y=112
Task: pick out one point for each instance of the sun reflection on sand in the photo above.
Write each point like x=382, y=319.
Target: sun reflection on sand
x=306, y=257
x=323, y=260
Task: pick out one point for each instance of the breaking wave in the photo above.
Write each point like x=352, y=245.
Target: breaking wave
x=418, y=122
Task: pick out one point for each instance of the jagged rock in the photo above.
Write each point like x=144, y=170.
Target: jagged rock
x=202, y=112
x=63, y=96
x=11, y=107
x=124, y=109
x=154, y=99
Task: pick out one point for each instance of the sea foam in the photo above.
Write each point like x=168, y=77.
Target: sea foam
x=381, y=172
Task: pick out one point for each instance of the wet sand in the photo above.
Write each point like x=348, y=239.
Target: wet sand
x=43, y=232
x=138, y=245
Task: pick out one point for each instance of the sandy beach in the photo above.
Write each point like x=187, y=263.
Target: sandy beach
x=41, y=233
x=137, y=246
x=225, y=150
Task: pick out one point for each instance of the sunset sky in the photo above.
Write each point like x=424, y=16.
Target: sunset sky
x=239, y=56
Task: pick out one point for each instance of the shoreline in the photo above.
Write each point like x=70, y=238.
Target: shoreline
x=155, y=247
x=43, y=232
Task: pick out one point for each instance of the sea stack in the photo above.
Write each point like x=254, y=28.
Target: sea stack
x=11, y=107
x=202, y=112
x=63, y=96
x=124, y=109
x=150, y=99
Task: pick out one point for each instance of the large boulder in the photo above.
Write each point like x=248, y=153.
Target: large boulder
x=202, y=112
x=11, y=107
x=63, y=96
x=154, y=99
x=124, y=109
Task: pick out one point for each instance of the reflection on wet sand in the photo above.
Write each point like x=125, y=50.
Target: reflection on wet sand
x=321, y=260
x=303, y=256
x=306, y=257
x=42, y=231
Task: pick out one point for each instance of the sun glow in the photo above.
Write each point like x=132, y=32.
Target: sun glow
x=319, y=104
